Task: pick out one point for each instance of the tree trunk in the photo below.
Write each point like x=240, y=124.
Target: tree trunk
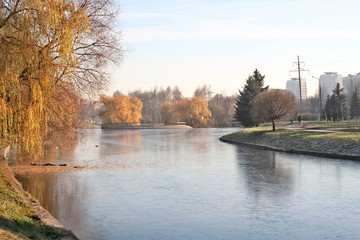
x=273, y=125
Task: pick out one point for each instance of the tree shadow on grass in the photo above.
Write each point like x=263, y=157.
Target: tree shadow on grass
x=33, y=229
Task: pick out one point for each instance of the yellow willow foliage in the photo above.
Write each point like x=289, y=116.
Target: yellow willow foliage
x=122, y=110
x=135, y=108
x=198, y=112
x=36, y=55
x=193, y=111
x=168, y=113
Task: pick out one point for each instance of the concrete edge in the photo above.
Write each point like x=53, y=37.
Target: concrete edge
x=49, y=219
x=43, y=214
x=296, y=151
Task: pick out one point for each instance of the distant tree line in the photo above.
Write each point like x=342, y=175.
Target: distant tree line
x=153, y=99
x=339, y=107
x=254, y=104
x=168, y=106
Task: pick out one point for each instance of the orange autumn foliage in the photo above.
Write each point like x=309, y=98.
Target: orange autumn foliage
x=51, y=51
x=122, y=110
x=37, y=53
x=194, y=111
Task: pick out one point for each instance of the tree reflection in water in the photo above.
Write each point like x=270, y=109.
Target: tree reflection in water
x=120, y=142
x=185, y=184
x=266, y=173
x=64, y=195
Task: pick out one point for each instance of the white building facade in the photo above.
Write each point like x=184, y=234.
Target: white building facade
x=328, y=82
x=292, y=85
x=350, y=83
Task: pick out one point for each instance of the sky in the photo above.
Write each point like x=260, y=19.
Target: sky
x=189, y=43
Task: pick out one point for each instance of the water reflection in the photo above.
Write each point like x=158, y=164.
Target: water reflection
x=56, y=155
x=67, y=197
x=57, y=149
x=120, y=142
x=185, y=184
x=50, y=192
x=266, y=174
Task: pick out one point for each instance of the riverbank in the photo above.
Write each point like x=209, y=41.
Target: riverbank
x=22, y=217
x=333, y=144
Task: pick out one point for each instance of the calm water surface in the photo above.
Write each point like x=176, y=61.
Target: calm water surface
x=186, y=184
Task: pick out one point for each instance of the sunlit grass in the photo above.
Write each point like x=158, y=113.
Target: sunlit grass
x=286, y=139
x=348, y=125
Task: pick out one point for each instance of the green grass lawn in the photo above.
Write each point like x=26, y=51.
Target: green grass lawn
x=348, y=125
x=346, y=143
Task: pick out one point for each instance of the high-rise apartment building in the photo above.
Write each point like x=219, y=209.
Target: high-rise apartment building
x=328, y=82
x=350, y=83
x=292, y=85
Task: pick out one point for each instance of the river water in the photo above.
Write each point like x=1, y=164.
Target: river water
x=186, y=184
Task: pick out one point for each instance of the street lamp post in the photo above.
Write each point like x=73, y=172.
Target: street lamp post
x=320, y=100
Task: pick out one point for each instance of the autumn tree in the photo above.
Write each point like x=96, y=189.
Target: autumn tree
x=96, y=46
x=120, y=109
x=153, y=99
x=35, y=47
x=193, y=111
x=91, y=111
x=222, y=110
x=218, y=117
x=69, y=116
x=273, y=105
x=198, y=113
x=253, y=86
x=50, y=51
x=169, y=114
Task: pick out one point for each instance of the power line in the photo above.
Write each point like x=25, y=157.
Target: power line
x=299, y=70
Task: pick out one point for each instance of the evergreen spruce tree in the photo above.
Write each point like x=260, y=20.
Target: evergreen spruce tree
x=328, y=107
x=335, y=106
x=253, y=86
x=355, y=105
x=340, y=109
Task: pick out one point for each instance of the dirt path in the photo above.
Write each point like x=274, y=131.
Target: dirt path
x=296, y=126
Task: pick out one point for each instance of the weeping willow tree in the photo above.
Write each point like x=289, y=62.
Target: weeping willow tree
x=121, y=110
x=51, y=53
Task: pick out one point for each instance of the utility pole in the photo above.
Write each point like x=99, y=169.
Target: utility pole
x=299, y=70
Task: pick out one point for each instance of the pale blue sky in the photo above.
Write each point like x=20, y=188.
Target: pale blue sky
x=190, y=43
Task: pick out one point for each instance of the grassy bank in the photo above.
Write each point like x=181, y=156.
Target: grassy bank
x=329, y=144
x=348, y=125
x=19, y=218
